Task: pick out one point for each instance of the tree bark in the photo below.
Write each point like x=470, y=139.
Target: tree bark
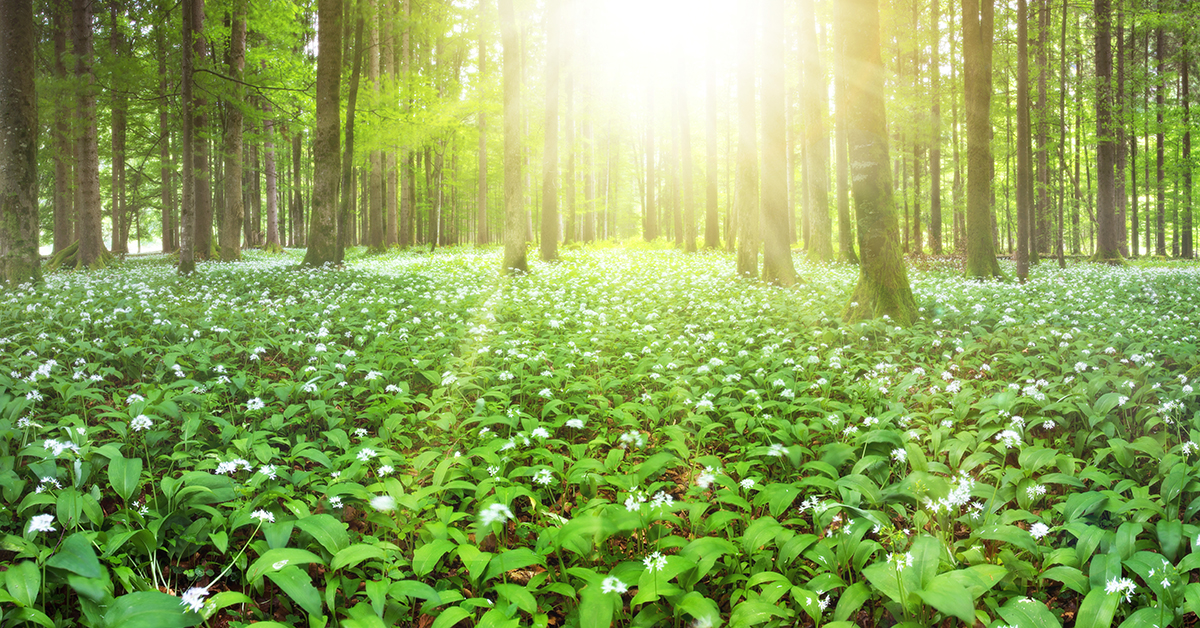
x=346, y=212
x=481, y=234
x=1160, y=94
x=977, y=68
x=323, y=228
x=203, y=196
x=375, y=237
x=712, y=229
x=64, y=199
x=1024, y=144
x=1107, y=249
x=514, y=193
x=1186, y=157
x=119, y=118
x=231, y=226
x=187, y=210
x=549, y=243
x=87, y=169
x=882, y=288
x=19, y=259
x=746, y=202
x=777, y=251
x=935, y=148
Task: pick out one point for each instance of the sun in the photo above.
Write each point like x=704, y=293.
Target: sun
x=640, y=37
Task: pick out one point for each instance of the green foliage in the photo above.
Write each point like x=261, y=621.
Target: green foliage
x=635, y=437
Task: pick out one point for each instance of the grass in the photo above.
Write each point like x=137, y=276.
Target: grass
x=636, y=437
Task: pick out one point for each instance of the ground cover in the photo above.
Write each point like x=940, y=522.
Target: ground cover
x=632, y=437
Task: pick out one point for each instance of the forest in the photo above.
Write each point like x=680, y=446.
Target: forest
x=564, y=313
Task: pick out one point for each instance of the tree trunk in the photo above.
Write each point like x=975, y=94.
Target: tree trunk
x=977, y=68
x=841, y=151
x=816, y=136
x=1119, y=112
x=19, y=259
x=119, y=118
x=346, y=212
x=1186, y=160
x=935, y=149
x=87, y=169
x=269, y=173
x=1107, y=249
x=391, y=93
x=746, y=201
x=234, y=210
x=549, y=244
x=187, y=210
x=1040, y=226
x=650, y=230
x=1160, y=93
x=882, y=288
x=1024, y=145
x=375, y=238
x=685, y=151
x=712, y=228
x=481, y=235
x=203, y=181
x=323, y=227
x=514, y=193
x=777, y=251
x=64, y=208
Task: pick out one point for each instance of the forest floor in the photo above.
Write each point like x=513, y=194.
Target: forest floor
x=626, y=436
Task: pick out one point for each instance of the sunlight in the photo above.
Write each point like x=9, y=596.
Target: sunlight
x=649, y=36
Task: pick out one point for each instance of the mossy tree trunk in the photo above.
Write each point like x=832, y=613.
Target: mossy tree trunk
x=231, y=232
x=1107, y=245
x=19, y=259
x=883, y=288
x=977, y=79
x=323, y=227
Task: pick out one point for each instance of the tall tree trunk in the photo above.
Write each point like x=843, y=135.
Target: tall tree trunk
x=64, y=200
x=391, y=220
x=203, y=181
x=549, y=244
x=588, y=113
x=323, y=228
x=1186, y=160
x=119, y=118
x=746, y=201
x=685, y=151
x=1107, y=249
x=777, y=252
x=882, y=288
x=1024, y=145
x=87, y=169
x=842, y=155
x=712, y=228
x=935, y=149
x=346, y=212
x=650, y=230
x=481, y=235
x=166, y=171
x=187, y=210
x=269, y=173
x=1119, y=111
x=376, y=238
x=816, y=135
x=408, y=192
x=231, y=231
x=1160, y=93
x=1040, y=227
x=977, y=68
x=19, y=259
x=570, y=230
x=514, y=192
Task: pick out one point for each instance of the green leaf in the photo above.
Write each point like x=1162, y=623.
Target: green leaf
x=124, y=475
x=512, y=559
x=1012, y=535
x=851, y=600
x=754, y=612
x=450, y=617
x=222, y=600
x=703, y=610
x=150, y=609
x=1027, y=613
x=327, y=530
x=1071, y=578
x=77, y=556
x=1098, y=608
x=949, y=597
x=517, y=594
x=595, y=607
x=286, y=555
x=23, y=581
x=298, y=586
x=355, y=554
x=1147, y=618
x=760, y=533
x=408, y=589
x=427, y=556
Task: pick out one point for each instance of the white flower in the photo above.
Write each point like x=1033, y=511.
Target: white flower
x=655, y=562
x=543, y=477
x=385, y=470
x=546, y=393
x=1009, y=438
x=1035, y=491
x=900, y=455
x=255, y=404
x=134, y=398
x=747, y=483
x=263, y=516
x=494, y=513
x=383, y=503
x=141, y=422
x=1120, y=585
x=901, y=560
x=612, y=585
x=575, y=423
x=662, y=499
x=366, y=454
x=335, y=501
x=1038, y=530
x=705, y=480
x=41, y=523
x=776, y=450
x=193, y=598
x=539, y=432
x=268, y=470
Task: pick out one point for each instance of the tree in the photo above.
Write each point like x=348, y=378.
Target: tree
x=712, y=235
x=882, y=288
x=685, y=151
x=230, y=232
x=777, y=252
x=87, y=160
x=935, y=146
x=514, y=193
x=1107, y=245
x=323, y=228
x=481, y=234
x=187, y=210
x=746, y=203
x=842, y=156
x=375, y=233
x=550, y=156
x=1024, y=144
x=977, y=79
x=64, y=209
x=202, y=196
x=345, y=213
x=19, y=259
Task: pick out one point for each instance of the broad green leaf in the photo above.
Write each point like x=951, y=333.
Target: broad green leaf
x=512, y=559
x=150, y=609
x=327, y=530
x=754, y=612
x=280, y=558
x=1029, y=613
x=1098, y=608
x=1082, y=504
x=426, y=557
x=760, y=533
x=851, y=600
x=222, y=600
x=595, y=607
x=124, y=475
x=450, y=617
x=355, y=554
x=77, y=556
x=701, y=609
x=24, y=582
x=949, y=597
x=516, y=594
x=298, y=586
x=408, y=589
x=1150, y=617
x=1071, y=578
